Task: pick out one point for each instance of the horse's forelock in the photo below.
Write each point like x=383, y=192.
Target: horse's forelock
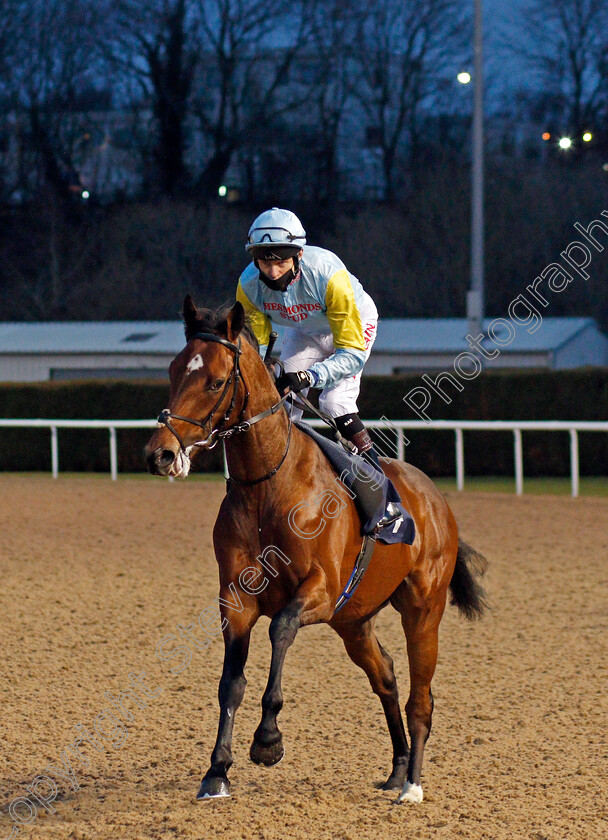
x=208, y=321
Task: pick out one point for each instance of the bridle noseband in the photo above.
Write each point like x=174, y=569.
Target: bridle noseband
x=234, y=378
x=219, y=432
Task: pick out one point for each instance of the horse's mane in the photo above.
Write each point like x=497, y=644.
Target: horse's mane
x=209, y=320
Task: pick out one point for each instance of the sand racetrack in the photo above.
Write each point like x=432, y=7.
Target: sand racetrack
x=95, y=574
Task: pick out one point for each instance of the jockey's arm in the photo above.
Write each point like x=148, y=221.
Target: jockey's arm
x=346, y=326
x=259, y=323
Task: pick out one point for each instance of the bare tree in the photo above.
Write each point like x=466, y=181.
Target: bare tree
x=404, y=48
x=153, y=47
x=565, y=44
x=8, y=33
x=51, y=68
x=8, y=37
x=297, y=151
x=248, y=49
x=331, y=76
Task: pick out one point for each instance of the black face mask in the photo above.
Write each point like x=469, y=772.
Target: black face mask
x=281, y=283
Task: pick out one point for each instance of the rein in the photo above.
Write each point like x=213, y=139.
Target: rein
x=219, y=432
x=304, y=402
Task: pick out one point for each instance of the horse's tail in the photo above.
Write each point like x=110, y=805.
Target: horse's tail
x=467, y=593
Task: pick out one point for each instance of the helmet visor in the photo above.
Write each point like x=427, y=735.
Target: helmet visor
x=267, y=251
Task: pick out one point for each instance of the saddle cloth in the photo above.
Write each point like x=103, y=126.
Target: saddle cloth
x=372, y=490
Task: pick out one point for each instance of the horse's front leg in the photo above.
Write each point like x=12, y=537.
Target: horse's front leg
x=310, y=605
x=231, y=691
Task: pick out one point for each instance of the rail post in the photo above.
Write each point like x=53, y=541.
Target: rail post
x=113, y=455
x=519, y=463
x=54, y=452
x=574, y=468
x=459, y=460
x=400, y=444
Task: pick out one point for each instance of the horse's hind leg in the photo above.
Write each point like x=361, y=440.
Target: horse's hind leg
x=420, y=617
x=366, y=651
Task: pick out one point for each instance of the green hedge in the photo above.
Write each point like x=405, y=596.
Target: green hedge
x=565, y=395
x=84, y=449
x=580, y=394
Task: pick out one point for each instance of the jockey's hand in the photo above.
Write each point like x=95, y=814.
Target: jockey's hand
x=296, y=381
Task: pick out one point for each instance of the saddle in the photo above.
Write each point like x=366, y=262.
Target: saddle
x=370, y=490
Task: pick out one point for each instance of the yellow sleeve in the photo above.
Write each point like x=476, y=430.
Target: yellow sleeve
x=257, y=321
x=343, y=313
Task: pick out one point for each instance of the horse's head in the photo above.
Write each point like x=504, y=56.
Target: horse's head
x=206, y=388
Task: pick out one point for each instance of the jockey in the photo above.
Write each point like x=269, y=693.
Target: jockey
x=332, y=320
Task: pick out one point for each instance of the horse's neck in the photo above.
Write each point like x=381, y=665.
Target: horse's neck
x=254, y=453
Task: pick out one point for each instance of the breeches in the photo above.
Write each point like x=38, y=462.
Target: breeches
x=300, y=351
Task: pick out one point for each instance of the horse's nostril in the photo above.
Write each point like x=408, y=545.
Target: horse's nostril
x=159, y=460
x=164, y=457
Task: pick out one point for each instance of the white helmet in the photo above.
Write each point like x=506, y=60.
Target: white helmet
x=275, y=234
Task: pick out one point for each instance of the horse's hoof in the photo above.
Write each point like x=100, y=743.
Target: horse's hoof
x=397, y=778
x=214, y=787
x=410, y=793
x=266, y=754
x=394, y=782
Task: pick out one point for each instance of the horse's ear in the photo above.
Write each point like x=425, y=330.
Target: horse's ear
x=233, y=323
x=189, y=312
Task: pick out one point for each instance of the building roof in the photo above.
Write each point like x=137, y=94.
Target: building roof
x=448, y=335
x=395, y=335
x=92, y=337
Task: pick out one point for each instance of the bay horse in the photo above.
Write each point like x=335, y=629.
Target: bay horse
x=278, y=502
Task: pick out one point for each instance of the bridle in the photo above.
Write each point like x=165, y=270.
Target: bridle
x=220, y=432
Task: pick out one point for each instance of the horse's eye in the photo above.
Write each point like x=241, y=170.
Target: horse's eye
x=215, y=386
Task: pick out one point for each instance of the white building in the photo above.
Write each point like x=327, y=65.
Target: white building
x=412, y=345
x=38, y=352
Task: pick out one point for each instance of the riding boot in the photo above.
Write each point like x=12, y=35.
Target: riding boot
x=351, y=427
x=371, y=456
x=365, y=448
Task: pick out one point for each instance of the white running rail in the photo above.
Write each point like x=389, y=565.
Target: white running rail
x=395, y=427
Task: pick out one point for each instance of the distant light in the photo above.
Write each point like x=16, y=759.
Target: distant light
x=605, y=167
x=565, y=142
x=222, y=191
x=546, y=135
x=587, y=136
x=85, y=194
x=464, y=78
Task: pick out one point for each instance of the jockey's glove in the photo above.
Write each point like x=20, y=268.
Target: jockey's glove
x=296, y=381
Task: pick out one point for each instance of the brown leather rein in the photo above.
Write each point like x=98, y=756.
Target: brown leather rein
x=219, y=432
